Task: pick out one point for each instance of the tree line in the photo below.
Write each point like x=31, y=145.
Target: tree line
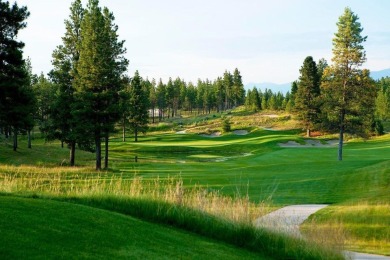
x=87, y=94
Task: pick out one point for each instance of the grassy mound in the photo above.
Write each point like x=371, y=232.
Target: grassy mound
x=34, y=228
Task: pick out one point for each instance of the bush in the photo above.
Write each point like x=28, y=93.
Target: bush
x=226, y=125
x=377, y=127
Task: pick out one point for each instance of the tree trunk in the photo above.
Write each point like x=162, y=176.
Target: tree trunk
x=153, y=115
x=62, y=143
x=29, y=139
x=341, y=137
x=15, y=139
x=308, y=132
x=124, y=130
x=135, y=134
x=106, y=151
x=72, y=152
x=98, y=152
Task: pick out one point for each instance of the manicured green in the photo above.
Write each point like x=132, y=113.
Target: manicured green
x=34, y=228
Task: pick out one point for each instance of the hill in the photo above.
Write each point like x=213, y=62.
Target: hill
x=380, y=74
x=285, y=87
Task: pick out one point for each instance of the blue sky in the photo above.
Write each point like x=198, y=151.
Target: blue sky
x=266, y=40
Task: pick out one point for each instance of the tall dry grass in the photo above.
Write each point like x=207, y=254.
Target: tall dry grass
x=73, y=182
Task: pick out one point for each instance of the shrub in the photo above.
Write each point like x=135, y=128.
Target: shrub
x=226, y=125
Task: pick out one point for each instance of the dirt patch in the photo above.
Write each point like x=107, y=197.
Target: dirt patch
x=309, y=143
x=240, y=132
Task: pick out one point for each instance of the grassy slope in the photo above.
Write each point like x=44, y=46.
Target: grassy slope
x=33, y=228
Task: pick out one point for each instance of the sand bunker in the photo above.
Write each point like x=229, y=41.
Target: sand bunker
x=271, y=116
x=269, y=129
x=240, y=132
x=181, y=132
x=309, y=143
x=212, y=135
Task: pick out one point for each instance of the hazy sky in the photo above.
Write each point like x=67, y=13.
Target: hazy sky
x=266, y=40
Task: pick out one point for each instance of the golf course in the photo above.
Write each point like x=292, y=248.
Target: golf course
x=182, y=192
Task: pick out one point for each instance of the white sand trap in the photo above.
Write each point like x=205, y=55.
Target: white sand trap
x=309, y=143
x=212, y=135
x=288, y=219
x=240, y=132
x=271, y=116
x=270, y=129
x=362, y=256
x=181, y=132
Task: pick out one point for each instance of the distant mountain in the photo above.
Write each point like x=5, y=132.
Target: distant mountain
x=380, y=74
x=283, y=88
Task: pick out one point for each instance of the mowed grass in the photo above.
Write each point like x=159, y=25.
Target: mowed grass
x=258, y=165
x=34, y=228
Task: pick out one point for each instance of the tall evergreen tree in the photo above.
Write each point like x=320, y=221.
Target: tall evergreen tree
x=348, y=92
x=138, y=116
x=45, y=93
x=16, y=99
x=65, y=58
x=238, y=90
x=99, y=71
x=306, y=98
x=153, y=98
x=228, y=86
x=191, y=97
x=161, y=99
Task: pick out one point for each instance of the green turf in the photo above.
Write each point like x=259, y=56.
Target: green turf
x=288, y=175
x=35, y=229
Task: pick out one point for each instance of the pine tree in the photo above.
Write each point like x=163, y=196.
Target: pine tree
x=99, y=74
x=238, y=90
x=17, y=97
x=45, y=93
x=228, y=86
x=348, y=91
x=138, y=108
x=191, y=96
x=153, y=99
x=161, y=99
x=65, y=125
x=306, y=98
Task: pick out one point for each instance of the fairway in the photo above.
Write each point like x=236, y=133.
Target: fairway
x=257, y=165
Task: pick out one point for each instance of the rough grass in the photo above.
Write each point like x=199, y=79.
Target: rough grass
x=364, y=226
